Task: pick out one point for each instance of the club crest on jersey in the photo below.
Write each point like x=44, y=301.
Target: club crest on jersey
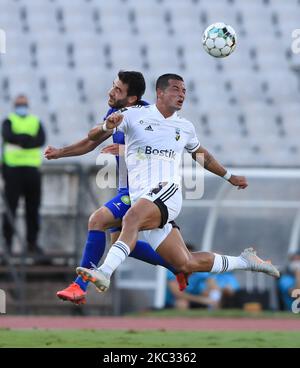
x=177, y=134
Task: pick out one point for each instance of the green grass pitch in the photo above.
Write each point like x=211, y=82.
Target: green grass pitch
x=146, y=339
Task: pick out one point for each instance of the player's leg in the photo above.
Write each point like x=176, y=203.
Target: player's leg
x=105, y=217
x=142, y=213
x=99, y=221
x=143, y=252
x=118, y=207
x=171, y=247
x=149, y=212
x=12, y=192
x=174, y=251
x=114, y=234
x=32, y=194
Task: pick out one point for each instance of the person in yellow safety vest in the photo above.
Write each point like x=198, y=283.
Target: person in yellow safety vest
x=23, y=136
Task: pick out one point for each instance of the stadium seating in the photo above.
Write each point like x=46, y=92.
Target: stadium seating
x=61, y=49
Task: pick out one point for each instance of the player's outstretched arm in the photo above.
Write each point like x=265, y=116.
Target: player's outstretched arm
x=203, y=157
x=77, y=149
x=103, y=131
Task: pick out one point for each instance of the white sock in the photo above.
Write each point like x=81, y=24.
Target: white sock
x=115, y=256
x=228, y=263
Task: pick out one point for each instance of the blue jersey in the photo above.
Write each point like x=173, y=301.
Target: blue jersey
x=119, y=138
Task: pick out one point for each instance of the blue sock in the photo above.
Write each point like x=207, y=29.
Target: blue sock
x=93, y=251
x=144, y=252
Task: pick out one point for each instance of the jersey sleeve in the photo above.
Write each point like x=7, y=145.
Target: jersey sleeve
x=193, y=142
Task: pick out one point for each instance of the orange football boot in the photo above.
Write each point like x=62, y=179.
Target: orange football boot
x=73, y=293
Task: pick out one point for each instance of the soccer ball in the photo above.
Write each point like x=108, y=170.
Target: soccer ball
x=219, y=40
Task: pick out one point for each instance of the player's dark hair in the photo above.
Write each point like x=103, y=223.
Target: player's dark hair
x=163, y=81
x=135, y=82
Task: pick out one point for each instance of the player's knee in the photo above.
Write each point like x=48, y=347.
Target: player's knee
x=131, y=219
x=97, y=221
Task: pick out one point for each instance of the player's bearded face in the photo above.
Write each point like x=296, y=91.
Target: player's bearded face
x=174, y=95
x=117, y=96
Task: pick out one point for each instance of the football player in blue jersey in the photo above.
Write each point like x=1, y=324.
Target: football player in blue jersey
x=127, y=90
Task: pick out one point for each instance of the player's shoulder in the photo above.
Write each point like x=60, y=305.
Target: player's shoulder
x=187, y=123
x=182, y=119
x=140, y=107
x=136, y=110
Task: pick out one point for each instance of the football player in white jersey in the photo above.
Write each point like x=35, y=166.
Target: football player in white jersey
x=153, y=157
x=127, y=90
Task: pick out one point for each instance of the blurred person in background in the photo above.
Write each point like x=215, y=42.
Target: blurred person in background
x=204, y=290
x=192, y=296
x=290, y=280
x=23, y=136
x=222, y=287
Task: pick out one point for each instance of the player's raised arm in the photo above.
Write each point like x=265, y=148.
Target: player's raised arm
x=212, y=165
x=106, y=129
x=77, y=149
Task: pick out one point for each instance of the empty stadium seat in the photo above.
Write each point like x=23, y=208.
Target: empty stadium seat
x=61, y=49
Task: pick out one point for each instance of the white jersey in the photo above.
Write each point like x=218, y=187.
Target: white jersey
x=154, y=146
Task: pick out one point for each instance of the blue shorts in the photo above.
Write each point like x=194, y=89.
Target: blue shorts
x=118, y=206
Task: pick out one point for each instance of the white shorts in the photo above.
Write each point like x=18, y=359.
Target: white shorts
x=168, y=198
x=156, y=236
